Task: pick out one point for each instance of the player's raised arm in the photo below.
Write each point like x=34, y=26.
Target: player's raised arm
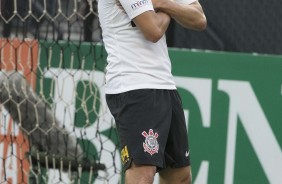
x=153, y=25
x=189, y=15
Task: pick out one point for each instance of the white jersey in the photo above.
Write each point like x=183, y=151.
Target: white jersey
x=133, y=61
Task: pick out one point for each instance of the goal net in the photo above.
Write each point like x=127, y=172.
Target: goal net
x=54, y=123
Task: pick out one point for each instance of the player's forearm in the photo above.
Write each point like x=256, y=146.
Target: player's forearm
x=190, y=16
x=158, y=28
x=153, y=25
x=163, y=21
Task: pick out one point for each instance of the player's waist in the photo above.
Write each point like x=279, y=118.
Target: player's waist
x=130, y=81
x=109, y=90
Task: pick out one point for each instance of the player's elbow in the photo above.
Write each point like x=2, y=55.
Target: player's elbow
x=154, y=39
x=154, y=35
x=201, y=23
x=197, y=24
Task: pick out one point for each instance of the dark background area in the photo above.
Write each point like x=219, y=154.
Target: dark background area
x=252, y=26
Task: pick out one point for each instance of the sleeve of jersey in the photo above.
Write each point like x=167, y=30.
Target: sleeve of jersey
x=133, y=8
x=186, y=1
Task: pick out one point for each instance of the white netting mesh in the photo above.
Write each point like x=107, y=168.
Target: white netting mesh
x=54, y=123
x=50, y=19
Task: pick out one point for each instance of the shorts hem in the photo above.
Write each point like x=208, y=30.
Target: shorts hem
x=181, y=165
x=140, y=162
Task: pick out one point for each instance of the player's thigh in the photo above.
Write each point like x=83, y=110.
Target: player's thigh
x=181, y=175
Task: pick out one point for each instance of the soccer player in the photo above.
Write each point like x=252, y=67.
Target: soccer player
x=140, y=90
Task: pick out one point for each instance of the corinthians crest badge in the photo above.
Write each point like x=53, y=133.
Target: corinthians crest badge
x=151, y=144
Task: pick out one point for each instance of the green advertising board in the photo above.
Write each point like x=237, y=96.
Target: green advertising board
x=232, y=104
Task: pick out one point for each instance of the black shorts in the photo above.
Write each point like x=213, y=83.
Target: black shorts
x=151, y=127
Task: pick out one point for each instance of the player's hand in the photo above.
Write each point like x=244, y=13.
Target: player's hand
x=120, y=5
x=159, y=4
